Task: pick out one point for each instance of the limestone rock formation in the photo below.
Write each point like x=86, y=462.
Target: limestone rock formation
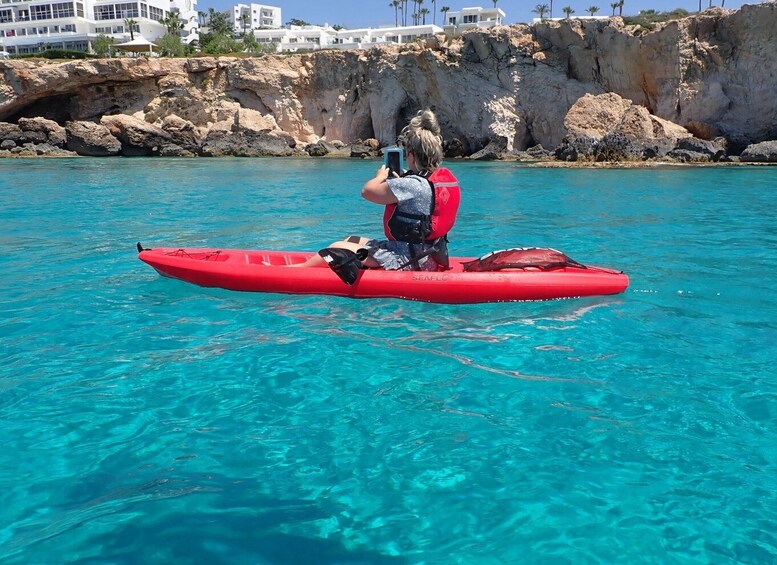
x=91, y=140
x=609, y=128
x=137, y=137
x=764, y=152
x=496, y=92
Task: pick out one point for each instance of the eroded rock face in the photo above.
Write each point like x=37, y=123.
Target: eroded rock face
x=609, y=128
x=496, y=92
x=764, y=152
x=91, y=140
x=137, y=137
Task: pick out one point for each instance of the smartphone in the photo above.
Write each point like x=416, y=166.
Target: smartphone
x=394, y=158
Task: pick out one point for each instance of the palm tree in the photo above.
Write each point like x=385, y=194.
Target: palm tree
x=620, y=7
x=592, y=9
x=245, y=19
x=615, y=5
x=172, y=22
x=396, y=4
x=434, y=12
x=130, y=23
x=444, y=10
x=568, y=11
x=551, y=9
x=404, y=12
x=201, y=17
x=495, y=1
x=541, y=10
x=423, y=13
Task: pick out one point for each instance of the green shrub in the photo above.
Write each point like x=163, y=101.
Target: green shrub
x=647, y=18
x=170, y=45
x=59, y=54
x=103, y=45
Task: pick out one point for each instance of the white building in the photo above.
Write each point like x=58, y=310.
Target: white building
x=31, y=26
x=295, y=38
x=187, y=13
x=311, y=38
x=368, y=37
x=265, y=22
x=254, y=16
x=469, y=18
x=541, y=20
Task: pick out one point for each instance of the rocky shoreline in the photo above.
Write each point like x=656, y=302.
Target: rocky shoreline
x=697, y=90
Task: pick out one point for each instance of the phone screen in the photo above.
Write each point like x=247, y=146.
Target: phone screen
x=393, y=162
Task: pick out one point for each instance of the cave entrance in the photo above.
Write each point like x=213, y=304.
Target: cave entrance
x=56, y=108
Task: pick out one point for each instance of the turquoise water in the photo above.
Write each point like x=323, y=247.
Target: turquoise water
x=144, y=420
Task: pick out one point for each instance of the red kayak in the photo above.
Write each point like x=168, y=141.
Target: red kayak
x=270, y=271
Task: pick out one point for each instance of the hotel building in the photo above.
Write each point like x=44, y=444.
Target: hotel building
x=471, y=18
x=254, y=16
x=31, y=26
x=312, y=37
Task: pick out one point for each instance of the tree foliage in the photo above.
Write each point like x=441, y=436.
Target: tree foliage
x=170, y=45
x=103, y=45
x=541, y=10
x=297, y=22
x=132, y=26
x=219, y=44
x=219, y=23
x=172, y=22
x=648, y=18
x=254, y=47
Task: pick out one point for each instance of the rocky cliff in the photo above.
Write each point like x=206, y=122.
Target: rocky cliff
x=508, y=88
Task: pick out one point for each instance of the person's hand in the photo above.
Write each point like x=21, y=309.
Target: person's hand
x=383, y=173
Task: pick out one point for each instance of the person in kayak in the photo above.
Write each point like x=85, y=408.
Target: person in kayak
x=421, y=207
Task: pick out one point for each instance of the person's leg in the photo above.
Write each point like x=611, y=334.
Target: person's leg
x=352, y=244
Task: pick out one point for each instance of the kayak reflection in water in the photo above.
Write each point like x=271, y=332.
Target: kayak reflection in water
x=421, y=207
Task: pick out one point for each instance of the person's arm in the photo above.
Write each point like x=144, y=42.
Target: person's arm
x=377, y=189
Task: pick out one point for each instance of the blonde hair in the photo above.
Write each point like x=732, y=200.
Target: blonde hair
x=422, y=138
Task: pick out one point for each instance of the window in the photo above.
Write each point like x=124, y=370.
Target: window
x=469, y=19
x=124, y=11
x=43, y=30
x=144, y=10
x=102, y=29
x=80, y=9
x=105, y=12
x=155, y=14
x=62, y=10
x=69, y=27
x=41, y=12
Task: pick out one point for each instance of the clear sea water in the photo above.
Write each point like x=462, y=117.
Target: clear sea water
x=144, y=420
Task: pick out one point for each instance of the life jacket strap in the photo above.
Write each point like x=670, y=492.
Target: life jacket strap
x=438, y=251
